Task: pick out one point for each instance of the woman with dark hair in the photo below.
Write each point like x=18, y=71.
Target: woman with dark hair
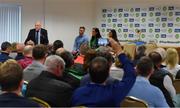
x=113, y=35
x=94, y=39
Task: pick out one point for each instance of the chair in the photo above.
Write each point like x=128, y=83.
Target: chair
x=176, y=84
x=41, y=102
x=131, y=101
x=130, y=49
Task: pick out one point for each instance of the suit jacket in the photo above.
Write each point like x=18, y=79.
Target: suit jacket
x=51, y=89
x=43, y=36
x=33, y=70
x=13, y=100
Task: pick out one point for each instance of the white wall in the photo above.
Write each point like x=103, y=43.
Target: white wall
x=61, y=18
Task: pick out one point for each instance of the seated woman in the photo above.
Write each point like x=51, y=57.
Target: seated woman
x=172, y=60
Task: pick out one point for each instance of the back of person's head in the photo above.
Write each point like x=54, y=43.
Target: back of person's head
x=11, y=75
x=98, y=34
x=5, y=46
x=28, y=50
x=90, y=55
x=162, y=52
x=20, y=47
x=144, y=66
x=14, y=46
x=99, y=70
x=172, y=57
x=55, y=64
x=106, y=55
x=39, y=52
x=83, y=48
x=104, y=49
x=156, y=59
x=57, y=44
x=68, y=58
x=141, y=49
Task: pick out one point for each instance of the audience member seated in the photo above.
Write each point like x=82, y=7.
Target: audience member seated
x=161, y=78
x=27, y=57
x=139, y=53
x=97, y=93
x=19, y=49
x=71, y=75
x=11, y=83
x=48, y=86
x=142, y=88
x=5, y=51
x=57, y=44
x=172, y=61
x=39, y=53
x=86, y=79
x=80, y=58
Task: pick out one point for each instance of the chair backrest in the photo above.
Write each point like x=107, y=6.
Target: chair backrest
x=41, y=102
x=130, y=48
x=131, y=101
x=176, y=84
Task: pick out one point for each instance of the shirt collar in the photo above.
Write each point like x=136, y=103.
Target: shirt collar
x=142, y=79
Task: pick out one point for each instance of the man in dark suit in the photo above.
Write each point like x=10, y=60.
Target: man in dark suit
x=38, y=35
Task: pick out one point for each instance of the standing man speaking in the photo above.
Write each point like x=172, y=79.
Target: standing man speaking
x=38, y=35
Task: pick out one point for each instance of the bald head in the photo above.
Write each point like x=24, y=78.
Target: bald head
x=20, y=47
x=38, y=25
x=59, y=51
x=28, y=50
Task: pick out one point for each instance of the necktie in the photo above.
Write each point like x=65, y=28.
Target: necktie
x=37, y=37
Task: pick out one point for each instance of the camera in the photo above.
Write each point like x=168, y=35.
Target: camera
x=103, y=41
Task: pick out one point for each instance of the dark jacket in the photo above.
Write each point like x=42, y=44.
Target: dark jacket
x=4, y=56
x=13, y=100
x=51, y=89
x=98, y=95
x=43, y=36
x=157, y=79
x=19, y=56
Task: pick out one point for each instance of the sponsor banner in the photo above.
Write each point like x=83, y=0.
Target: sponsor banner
x=156, y=23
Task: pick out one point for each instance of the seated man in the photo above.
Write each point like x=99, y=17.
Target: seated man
x=97, y=93
x=27, y=57
x=48, y=85
x=19, y=49
x=162, y=78
x=142, y=88
x=11, y=84
x=39, y=53
x=5, y=51
x=56, y=45
x=71, y=76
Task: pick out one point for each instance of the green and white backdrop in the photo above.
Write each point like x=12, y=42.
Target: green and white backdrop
x=158, y=24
